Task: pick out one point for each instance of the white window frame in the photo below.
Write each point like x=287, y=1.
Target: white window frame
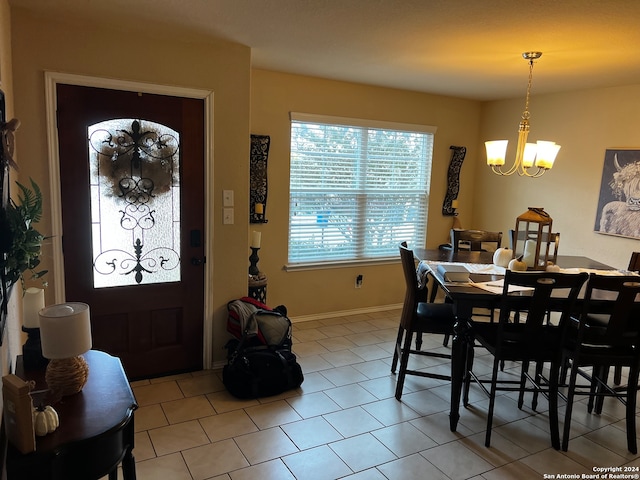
x=307, y=237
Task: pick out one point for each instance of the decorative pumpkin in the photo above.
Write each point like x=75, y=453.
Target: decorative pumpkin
x=551, y=267
x=502, y=257
x=517, y=265
x=45, y=420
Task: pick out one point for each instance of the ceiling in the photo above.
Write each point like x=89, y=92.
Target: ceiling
x=464, y=48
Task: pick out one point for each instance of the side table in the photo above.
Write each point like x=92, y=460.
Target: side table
x=96, y=431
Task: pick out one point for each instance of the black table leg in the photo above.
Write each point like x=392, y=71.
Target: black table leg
x=459, y=345
x=458, y=352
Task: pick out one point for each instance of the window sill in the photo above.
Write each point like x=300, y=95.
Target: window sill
x=329, y=264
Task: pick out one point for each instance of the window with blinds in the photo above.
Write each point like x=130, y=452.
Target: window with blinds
x=357, y=188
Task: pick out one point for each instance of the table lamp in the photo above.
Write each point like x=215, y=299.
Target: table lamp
x=65, y=331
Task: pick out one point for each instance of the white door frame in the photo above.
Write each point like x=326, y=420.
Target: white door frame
x=51, y=81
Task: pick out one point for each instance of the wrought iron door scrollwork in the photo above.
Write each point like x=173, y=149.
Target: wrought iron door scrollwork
x=137, y=167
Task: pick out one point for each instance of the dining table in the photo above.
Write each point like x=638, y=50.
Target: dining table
x=465, y=297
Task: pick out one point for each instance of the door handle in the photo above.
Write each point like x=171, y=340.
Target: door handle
x=198, y=261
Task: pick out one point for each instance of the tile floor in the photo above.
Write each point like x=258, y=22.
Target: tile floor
x=344, y=422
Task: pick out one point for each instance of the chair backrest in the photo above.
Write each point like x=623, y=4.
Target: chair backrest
x=634, y=262
x=473, y=239
x=552, y=240
x=413, y=295
x=621, y=327
x=550, y=291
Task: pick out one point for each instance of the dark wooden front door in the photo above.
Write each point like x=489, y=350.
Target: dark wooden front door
x=132, y=189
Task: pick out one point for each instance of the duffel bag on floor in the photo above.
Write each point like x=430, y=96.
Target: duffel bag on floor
x=261, y=372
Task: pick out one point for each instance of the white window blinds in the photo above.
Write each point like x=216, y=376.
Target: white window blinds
x=357, y=188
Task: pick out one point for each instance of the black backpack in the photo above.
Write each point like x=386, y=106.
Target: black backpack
x=265, y=367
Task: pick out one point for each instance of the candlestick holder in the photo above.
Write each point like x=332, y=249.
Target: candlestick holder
x=32, y=349
x=253, y=258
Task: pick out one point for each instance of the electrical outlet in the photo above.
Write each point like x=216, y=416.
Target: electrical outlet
x=359, y=279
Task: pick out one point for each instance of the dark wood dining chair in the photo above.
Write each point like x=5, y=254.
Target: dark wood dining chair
x=474, y=240
x=634, y=262
x=605, y=340
x=551, y=239
x=531, y=340
x=634, y=266
x=418, y=316
x=421, y=296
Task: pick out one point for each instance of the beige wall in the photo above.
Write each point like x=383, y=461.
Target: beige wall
x=257, y=101
x=11, y=336
x=62, y=45
x=585, y=123
x=273, y=96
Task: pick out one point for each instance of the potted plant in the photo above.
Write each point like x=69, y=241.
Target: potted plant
x=23, y=243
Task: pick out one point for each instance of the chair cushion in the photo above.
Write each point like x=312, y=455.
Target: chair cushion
x=437, y=312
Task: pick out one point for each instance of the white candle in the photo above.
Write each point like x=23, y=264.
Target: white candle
x=259, y=208
x=32, y=303
x=255, y=239
x=529, y=256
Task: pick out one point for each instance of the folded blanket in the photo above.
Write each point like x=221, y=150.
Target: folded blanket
x=421, y=272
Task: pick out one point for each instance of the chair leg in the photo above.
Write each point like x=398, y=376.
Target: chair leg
x=445, y=342
x=564, y=369
x=598, y=373
x=492, y=402
x=396, y=351
x=467, y=375
x=569, y=408
x=599, y=400
x=538, y=377
x=523, y=382
x=617, y=375
x=404, y=360
x=419, y=341
x=632, y=390
x=553, y=405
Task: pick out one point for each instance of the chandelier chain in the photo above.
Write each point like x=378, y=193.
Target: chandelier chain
x=526, y=114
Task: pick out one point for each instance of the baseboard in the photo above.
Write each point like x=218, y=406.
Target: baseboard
x=344, y=313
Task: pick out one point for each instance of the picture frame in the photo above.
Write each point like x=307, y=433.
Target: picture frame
x=618, y=211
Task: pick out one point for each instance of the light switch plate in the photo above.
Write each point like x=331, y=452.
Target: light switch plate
x=227, y=216
x=227, y=198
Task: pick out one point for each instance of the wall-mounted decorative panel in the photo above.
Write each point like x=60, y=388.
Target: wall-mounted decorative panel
x=258, y=178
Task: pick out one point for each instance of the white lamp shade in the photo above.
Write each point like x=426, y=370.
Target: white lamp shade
x=65, y=330
x=496, y=152
x=530, y=150
x=547, y=152
x=32, y=303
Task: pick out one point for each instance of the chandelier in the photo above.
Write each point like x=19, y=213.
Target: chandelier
x=532, y=159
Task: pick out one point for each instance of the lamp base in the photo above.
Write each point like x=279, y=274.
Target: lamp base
x=67, y=376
